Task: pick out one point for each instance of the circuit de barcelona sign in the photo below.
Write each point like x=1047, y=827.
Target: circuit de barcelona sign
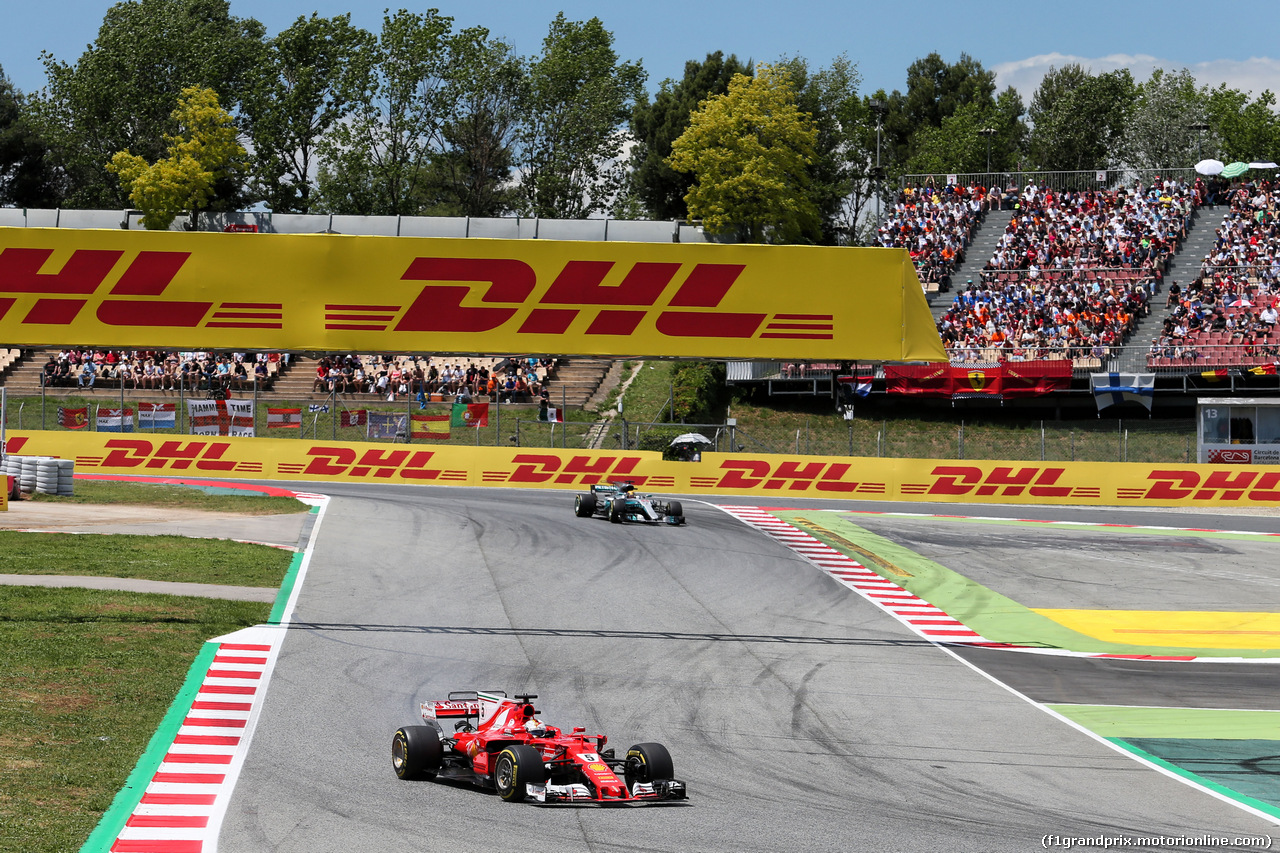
x=406, y=294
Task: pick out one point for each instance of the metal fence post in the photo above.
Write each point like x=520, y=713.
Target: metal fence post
x=1042, y=441
x=961, y=442
x=42, y=389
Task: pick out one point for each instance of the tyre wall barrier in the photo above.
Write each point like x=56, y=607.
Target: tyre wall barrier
x=785, y=477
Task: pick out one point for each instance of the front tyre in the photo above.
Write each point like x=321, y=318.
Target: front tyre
x=516, y=767
x=617, y=510
x=416, y=752
x=675, y=508
x=648, y=762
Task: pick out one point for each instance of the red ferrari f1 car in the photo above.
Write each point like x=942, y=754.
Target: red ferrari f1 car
x=499, y=743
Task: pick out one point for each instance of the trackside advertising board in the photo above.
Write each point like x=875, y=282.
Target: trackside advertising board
x=334, y=292
x=716, y=475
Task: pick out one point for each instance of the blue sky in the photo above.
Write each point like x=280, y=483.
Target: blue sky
x=1219, y=43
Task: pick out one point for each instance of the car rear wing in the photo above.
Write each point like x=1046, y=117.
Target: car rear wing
x=462, y=704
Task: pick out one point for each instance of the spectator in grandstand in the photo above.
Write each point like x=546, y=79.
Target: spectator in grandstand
x=88, y=374
x=322, y=376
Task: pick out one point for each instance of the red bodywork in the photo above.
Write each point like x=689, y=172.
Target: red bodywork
x=579, y=767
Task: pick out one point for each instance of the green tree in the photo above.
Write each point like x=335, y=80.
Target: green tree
x=202, y=153
x=27, y=178
x=471, y=174
x=298, y=93
x=658, y=188
x=841, y=182
x=749, y=151
x=120, y=92
x=935, y=90
x=375, y=161
x=1160, y=133
x=573, y=120
x=961, y=144
x=1241, y=128
x=1078, y=119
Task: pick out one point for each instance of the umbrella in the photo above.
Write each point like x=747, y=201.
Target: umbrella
x=1234, y=170
x=1266, y=164
x=1209, y=167
x=690, y=438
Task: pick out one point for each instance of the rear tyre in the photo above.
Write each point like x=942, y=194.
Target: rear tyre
x=584, y=506
x=617, y=510
x=416, y=752
x=516, y=767
x=648, y=762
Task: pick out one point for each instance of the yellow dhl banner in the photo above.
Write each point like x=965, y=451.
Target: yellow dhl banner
x=782, y=478
x=406, y=294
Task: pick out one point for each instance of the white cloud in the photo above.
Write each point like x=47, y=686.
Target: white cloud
x=1248, y=75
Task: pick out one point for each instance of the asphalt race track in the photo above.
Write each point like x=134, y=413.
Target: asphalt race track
x=801, y=717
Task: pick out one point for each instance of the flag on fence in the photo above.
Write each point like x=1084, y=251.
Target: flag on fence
x=353, y=418
x=434, y=426
x=977, y=380
x=387, y=425
x=470, y=415
x=284, y=418
x=1036, y=377
x=318, y=408
x=157, y=415
x=221, y=417
x=555, y=415
x=1262, y=369
x=983, y=380
x=113, y=420
x=925, y=380
x=73, y=418
x=859, y=386
x=240, y=417
x=1111, y=388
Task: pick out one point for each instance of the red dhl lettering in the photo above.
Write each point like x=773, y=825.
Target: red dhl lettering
x=176, y=455
x=1006, y=481
x=440, y=308
x=1230, y=485
x=793, y=476
x=148, y=275
x=346, y=461
x=584, y=470
x=502, y=287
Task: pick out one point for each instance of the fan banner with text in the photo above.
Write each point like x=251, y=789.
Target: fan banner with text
x=333, y=292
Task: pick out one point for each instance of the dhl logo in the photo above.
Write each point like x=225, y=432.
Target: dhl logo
x=788, y=476
x=174, y=455
x=463, y=295
x=131, y=301
x=1043, y=482
x=576, y=470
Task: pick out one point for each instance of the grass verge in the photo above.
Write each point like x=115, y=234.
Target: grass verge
x=87, y=677
x=175, y=497
x=159, y=558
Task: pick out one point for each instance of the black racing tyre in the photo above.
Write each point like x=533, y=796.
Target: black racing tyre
x=416, y=752
x=647, y=762
x=674, y=508
x=618, y=510
x=517, y=766
x=584, y=506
